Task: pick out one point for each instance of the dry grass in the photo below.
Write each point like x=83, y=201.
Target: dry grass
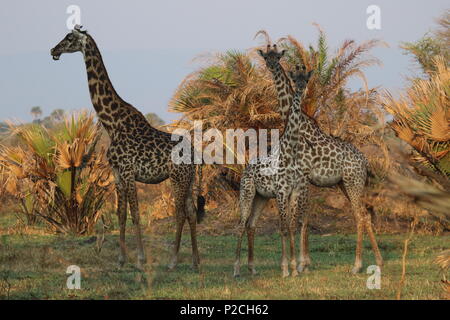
x=33, y=265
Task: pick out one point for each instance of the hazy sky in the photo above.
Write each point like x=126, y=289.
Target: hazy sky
x=148, y=46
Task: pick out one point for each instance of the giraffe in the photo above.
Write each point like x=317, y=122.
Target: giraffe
x=326, y=161
x=137, y=152
x=258, y=185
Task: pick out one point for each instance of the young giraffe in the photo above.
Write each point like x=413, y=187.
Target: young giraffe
x=137, y=152
x=279, y=177
x=326, y=161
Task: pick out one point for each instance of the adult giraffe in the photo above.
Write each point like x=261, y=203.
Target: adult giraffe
x=138, y=152
x=278, y=176
x=326, y=161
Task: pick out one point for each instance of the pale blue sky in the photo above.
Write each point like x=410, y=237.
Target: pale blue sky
x=148, y=46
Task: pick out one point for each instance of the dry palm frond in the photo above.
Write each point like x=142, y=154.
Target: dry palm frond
x=422, y=117
x=428, y=196
x=230, y=93
x=353, y=116
x=266, y=36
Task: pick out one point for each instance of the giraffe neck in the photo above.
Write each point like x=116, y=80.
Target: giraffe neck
x=107, y=103
x=290, y=138
x=284, y=91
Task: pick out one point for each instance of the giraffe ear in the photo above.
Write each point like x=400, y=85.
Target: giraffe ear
x=310, y=73
x=261, y=53
x=282, y=52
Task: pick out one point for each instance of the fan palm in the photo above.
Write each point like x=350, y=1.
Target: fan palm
x=232, y=92
x=58, y=174
x=422, y=117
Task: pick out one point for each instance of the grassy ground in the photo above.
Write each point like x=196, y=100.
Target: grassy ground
x=33, y=266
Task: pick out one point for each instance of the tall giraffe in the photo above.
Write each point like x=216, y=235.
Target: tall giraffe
x=137, y=152
x=326, y=161
x=276, y=177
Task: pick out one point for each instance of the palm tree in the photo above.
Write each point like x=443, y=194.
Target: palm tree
x=337, y=108
x=422, y=117
x=232, y=92
x=236, y=90
x=36, y=112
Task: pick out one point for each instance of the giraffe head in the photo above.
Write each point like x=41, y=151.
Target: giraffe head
x=272, y=56
x=74, y=41
x=300, y=77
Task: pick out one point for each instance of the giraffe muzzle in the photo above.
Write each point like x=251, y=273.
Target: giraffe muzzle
x=54, y=54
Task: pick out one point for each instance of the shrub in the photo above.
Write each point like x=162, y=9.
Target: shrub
x=58, y=174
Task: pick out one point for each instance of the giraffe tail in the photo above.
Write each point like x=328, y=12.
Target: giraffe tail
x=371, y=177
x=200, y=199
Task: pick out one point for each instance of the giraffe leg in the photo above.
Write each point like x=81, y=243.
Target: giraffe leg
x=373, y=241
x=179, y=231
x=180, y=216
x=293, y=262
x=284, y=226
x=359, y=241
x=351, y=192
x=284, y=259
x=293, y=203
x=304, y=258
x=259, y=203
x=237, y=263
x=192, y=218
x=302, y=216
x=134, y=209
x=122, y=216
x=246, y=196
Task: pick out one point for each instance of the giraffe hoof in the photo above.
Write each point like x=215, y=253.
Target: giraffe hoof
x=141, y=264
x=303, y=269
x=172, y=264
x=121, y=263
x=285, y=274
x=171, y=267
x=356, y=270
x=294, y=273
x=253, y=272
x=196, y=268
x=237, y=269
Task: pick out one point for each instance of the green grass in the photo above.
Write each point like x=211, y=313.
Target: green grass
x=33, y=266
